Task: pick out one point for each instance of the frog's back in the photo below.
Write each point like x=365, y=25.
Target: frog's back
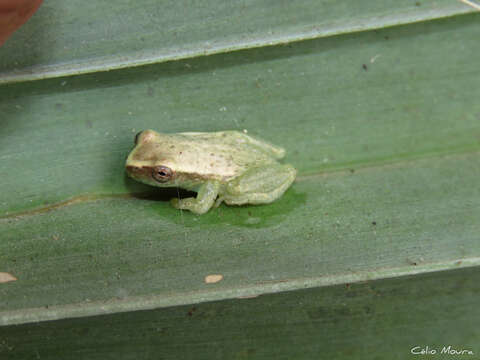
x=221, y=155
x=237, y=140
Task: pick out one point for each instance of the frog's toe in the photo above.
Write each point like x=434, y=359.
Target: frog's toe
x=218, y=202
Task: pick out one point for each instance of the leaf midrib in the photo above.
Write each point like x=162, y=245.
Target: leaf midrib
x=341, y=170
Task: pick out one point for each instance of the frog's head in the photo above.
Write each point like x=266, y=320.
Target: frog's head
x=150, y=161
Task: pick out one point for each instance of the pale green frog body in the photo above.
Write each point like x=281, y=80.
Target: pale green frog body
x=226, y=166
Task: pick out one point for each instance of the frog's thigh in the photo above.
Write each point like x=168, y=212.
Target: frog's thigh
x=260, y=185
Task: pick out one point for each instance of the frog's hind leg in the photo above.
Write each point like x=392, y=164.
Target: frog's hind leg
x=260, y=185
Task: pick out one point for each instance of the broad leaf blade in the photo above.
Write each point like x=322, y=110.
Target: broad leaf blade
x=383, y=127
x=68, y=37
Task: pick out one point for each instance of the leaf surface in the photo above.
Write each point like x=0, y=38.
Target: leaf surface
x=382, y=125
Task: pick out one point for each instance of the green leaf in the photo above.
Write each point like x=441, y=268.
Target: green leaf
x=383, y=126
x=303, y=324
x=68, y=37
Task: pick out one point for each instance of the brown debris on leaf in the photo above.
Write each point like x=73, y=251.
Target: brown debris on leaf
x=214, y=278
x=6, y=277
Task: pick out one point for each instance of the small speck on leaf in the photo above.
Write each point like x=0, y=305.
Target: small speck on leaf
x=253, y=220
x=364, y=66
x=248, y=296
x=191, y=311
x=6, y=277
x=213, y=278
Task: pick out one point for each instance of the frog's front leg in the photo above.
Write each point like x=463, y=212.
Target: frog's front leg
x=260, y=185
x=207, y=193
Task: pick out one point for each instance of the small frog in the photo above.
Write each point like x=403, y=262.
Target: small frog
x=230, y=165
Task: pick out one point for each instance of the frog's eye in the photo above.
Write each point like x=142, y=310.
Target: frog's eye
x=137, y=137
x=162, y=173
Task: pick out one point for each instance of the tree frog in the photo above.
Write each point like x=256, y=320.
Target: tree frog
x=225, y=166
